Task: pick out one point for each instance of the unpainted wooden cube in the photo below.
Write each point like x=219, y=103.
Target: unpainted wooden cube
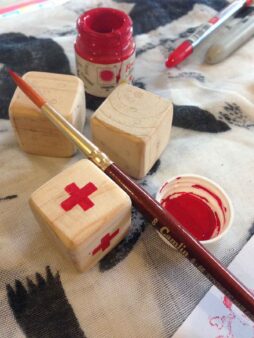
x=35, y=133
x=84, y=211
x=132, y=127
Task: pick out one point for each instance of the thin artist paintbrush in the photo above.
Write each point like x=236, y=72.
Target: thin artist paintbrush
x=176, y=234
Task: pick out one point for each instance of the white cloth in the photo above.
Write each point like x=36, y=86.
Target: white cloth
x=151, y=291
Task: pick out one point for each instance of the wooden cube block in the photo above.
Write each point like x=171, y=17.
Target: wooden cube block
x=35, y=133
x=132, y=127
x=84, y=211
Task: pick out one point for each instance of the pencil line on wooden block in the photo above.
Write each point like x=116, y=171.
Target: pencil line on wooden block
x=35, y=133
x=138, y=123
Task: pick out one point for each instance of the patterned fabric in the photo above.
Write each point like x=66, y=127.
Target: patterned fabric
x=142, y=288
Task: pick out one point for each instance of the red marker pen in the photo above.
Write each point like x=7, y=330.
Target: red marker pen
x=186, y=48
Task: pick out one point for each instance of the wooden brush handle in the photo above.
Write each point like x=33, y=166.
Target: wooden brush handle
x=184, y=242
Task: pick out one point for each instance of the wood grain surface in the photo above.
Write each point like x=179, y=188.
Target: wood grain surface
x=35, y=134
x=132, y=127
x=84, y=235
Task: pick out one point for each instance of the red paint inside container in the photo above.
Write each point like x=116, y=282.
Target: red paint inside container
x=194, y=213
x=104, y=36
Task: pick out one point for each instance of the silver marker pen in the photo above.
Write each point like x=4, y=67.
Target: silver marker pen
x=186, y=48
x=229, y=42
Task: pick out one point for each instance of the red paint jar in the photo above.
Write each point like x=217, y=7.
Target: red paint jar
x=105, y=50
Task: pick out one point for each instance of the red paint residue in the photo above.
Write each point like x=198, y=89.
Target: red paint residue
x=164, y=185
x=228, y=325
x=217, y=224
x=217, y=322
x=214, y=20
x=194, y=214
x=227, y=302
x=224, y=322
x=79, y=196
x=219, y=201
x=190, y=193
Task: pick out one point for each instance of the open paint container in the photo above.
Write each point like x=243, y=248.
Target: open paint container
x=199, y=204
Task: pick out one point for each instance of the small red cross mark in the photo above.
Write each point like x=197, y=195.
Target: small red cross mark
x=79, y=196
x=105, y=242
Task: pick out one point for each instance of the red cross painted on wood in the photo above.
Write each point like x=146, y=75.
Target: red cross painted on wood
x=78, y=196
x=105, y=242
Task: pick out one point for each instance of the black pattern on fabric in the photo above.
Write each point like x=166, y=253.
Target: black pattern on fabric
x=244, y=12
x=251, y=232
x=139, y=83
x=9, y=197
x=26, y=53
x=93, y=102
x=154, y=168
x=189, y=75
x=165, y=43
x=162, y=12
x=195, y=118
x=42, y=309
x=7, y=88
x=233, y=114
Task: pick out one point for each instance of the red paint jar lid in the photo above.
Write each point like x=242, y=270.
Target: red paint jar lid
x=104, y=36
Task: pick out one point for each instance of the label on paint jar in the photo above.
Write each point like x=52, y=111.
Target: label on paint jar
x=101, y=79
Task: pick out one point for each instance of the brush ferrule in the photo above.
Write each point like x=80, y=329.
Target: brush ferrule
x=100, y=159
x=83, y=144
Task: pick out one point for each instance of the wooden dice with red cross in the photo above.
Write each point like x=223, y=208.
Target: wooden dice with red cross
x=84, y=211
